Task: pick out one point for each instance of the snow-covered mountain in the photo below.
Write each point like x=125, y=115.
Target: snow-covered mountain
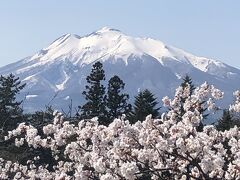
x=56, y=74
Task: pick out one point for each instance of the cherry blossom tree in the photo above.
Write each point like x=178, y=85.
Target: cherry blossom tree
x=164, y=148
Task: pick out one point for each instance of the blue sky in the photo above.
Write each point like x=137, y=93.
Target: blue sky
x=209, y=28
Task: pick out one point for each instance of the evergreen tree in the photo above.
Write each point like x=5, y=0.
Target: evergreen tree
x=227, y=121
x=10, y=110
x=116, y=101
x=145, y=103
x=95, y=95
x=188, y=81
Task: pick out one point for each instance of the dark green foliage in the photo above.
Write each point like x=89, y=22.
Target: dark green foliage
x=10, y=110
x=11, y=114
x=227, y=121
x=188, y=81
x=40, y=118
x=116, y=101
x=95, y=95
x=144, y=105
x=22, y=154
x=9, y=151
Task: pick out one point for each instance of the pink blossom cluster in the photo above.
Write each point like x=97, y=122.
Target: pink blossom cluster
x=156, y=148
x=236, y=106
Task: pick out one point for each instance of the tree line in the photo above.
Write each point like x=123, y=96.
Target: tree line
x=111, y=102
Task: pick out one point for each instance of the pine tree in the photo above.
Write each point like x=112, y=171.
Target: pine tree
x=188, y=81
x=95, y=95
x=227, y=121
x=145, y=104
x=116, y=101
x=10, y=110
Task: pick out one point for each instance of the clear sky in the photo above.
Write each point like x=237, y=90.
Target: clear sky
x=209, y=28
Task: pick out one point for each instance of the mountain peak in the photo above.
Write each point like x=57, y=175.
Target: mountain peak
x=107, y=43
x=141, y=63
x=67, y=37
x=107, y=29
